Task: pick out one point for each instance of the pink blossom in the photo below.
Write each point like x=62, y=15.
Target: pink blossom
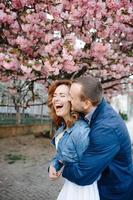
x=48, y=37
x=15, y=27
x=23, y=42
x=2, y=6
x=104, y=72
x=69, y=66
x=98, y=49
x=16, y=4
x=9, y=65
x=3, y=16
x=2, y=57
x=48, y=67
x=65, y=15
x=53, y=48
x=66, y=55
x=26, y=69
x=40, y=7
x=104, y=33
x=55, y=12
x=26, y=27
x=28, y=34
x=37, y=67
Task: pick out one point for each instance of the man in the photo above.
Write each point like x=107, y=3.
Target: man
x=108, y=156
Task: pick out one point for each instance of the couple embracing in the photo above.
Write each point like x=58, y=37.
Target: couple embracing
x=92, y=143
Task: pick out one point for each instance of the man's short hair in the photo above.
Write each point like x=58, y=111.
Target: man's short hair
x=91, y=89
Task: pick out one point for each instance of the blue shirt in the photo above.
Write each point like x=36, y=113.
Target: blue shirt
x=89, y=115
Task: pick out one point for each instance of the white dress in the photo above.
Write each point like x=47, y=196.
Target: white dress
x=72, y=191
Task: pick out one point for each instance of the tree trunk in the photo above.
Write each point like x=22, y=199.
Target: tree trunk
x=18, y=115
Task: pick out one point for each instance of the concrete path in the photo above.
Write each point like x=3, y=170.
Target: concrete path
x=23, y=169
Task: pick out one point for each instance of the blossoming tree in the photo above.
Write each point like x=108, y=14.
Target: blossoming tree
x=47, y=39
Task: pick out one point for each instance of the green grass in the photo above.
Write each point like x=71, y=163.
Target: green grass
x=12, y=158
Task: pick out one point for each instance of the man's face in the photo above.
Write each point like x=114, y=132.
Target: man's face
x=76, y=101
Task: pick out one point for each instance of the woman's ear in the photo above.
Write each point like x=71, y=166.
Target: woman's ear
x=69, y=97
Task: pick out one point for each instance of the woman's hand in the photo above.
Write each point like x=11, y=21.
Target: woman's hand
x=53, y=175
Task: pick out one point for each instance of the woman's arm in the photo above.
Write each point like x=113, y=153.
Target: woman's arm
x=56, y=162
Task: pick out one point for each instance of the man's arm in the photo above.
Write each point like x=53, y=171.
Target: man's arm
x=103, y=146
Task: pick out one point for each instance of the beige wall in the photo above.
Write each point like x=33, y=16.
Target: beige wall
x=15, y=130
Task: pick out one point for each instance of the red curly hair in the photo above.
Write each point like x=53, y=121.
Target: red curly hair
x=56, y=119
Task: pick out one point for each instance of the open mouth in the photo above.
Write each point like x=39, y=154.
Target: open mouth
x=58, y=107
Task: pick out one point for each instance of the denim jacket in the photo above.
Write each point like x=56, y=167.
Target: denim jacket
x=72, y=144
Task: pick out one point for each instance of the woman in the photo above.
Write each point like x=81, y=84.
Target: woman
x=71, y=140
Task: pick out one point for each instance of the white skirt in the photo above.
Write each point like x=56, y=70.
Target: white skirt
x=72, y=191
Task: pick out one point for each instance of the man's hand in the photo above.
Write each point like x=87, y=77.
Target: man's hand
x=53, y=175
